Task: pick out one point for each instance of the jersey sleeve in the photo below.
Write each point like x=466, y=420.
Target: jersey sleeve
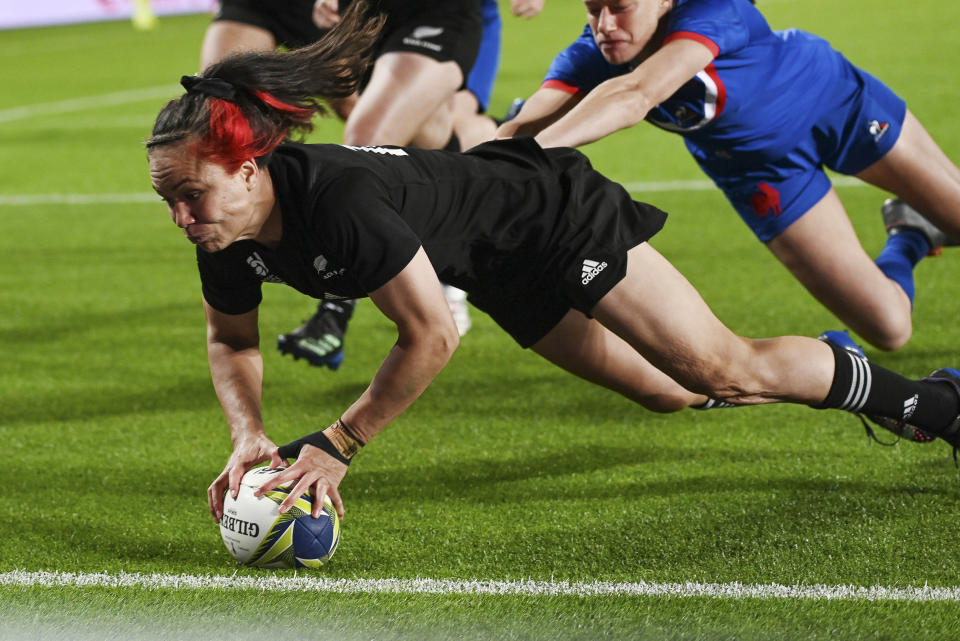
x=580, y=67
x=362, y=229
x=717, y=24
x=228, y=285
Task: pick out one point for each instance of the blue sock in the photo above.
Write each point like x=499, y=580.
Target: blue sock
x=900, y=255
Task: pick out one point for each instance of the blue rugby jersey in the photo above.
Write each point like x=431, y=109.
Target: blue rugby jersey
x=763, y=90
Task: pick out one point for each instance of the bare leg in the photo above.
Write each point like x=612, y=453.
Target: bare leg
x=659, y=313
x=586, y=348
x=404, y=91
x=225, y=37
x=435, y=131
x=343, y=106
x=471, y=126
x=918, y=171
x=822, y=251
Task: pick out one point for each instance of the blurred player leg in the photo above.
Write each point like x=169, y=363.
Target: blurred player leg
x=320, y=339
x=470, y=122
x=405, y=90
x=224, y=37
x=470, y=125
x=406, y=101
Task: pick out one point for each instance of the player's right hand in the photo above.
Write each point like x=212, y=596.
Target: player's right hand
x=246, y=454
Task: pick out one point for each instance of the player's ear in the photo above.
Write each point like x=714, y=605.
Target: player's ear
x=250, y=172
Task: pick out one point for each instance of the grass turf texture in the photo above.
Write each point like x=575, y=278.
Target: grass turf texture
x=507, y=468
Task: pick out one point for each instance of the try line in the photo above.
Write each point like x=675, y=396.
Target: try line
x=28, y=200
x=451, y=586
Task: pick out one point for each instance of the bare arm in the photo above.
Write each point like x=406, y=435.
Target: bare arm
x=541, y=109
x=236, y=369
x=426, y=339
x=624, y=101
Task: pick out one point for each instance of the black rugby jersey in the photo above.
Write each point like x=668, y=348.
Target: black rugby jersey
x=353, y=218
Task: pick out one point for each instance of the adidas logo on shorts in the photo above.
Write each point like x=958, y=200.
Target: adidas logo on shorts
x=591, y=269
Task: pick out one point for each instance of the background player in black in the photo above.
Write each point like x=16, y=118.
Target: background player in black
x=264, y=25
x=422, y=59
x=557, y=256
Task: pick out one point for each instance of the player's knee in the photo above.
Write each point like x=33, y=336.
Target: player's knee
x=895, y=336
x=665, y=403
x=360, y=131
x=889, y=332
x=891, y=342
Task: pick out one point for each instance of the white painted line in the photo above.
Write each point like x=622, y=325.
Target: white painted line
x=78, y=199
x=28, y=200
x=89, y=102
x=445, y=587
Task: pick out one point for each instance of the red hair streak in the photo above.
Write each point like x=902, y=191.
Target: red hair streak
x=301, y=115
x=231, y=141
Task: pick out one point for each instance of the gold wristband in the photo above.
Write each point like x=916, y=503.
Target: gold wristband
x=343, y=439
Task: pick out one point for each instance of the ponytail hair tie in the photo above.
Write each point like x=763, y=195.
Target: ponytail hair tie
x=214, y=87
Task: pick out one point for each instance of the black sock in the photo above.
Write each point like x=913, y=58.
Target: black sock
x=861, y=386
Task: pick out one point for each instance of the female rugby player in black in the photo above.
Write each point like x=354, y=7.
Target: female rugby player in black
x=552, y=250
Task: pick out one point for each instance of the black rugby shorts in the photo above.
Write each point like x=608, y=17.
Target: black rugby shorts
x=290, y=21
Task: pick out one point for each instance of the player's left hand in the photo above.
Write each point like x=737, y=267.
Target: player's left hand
x=315, y=471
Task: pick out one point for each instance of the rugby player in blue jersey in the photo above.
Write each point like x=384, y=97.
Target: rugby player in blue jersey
x=763, y=112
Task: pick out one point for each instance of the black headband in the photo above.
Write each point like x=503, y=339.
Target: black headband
x=215, y=87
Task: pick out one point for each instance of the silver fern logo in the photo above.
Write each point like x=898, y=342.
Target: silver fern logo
x=422, y=33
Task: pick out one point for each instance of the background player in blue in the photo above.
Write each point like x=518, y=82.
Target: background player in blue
x=334, y=221
x=762, y=112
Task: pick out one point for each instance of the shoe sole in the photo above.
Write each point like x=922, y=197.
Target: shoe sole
x=897, y=215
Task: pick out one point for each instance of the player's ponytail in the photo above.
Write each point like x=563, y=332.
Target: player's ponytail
x=245, y=105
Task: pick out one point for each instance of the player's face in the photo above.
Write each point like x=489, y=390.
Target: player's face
x=622, y=28
x=213, y=207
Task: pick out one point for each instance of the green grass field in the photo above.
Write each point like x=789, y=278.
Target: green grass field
x=507, y=470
